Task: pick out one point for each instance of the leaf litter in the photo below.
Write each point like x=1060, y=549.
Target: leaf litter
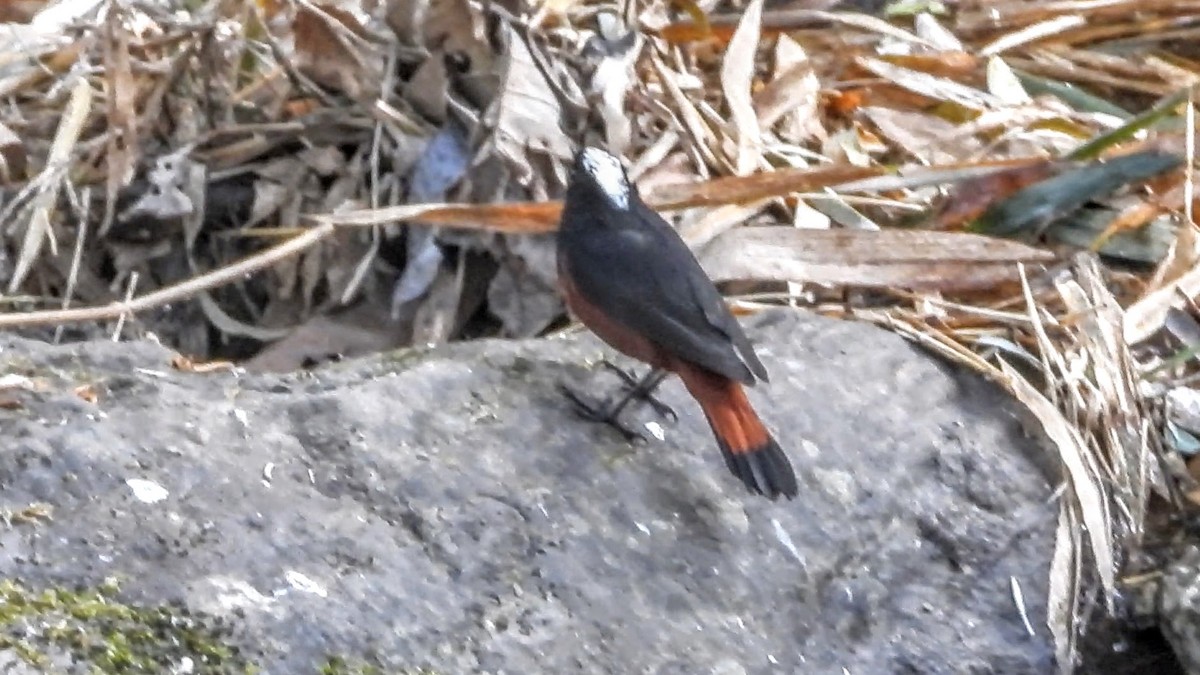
x=1008, y=183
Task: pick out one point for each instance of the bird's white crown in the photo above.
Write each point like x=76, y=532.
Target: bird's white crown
x=608, y=173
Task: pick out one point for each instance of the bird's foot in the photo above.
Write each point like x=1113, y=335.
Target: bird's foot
x=643, y=388
x=607, y=412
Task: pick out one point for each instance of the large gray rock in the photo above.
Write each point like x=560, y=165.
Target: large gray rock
x=446, y=509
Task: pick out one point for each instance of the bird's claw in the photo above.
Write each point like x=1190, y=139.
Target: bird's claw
x=640, y=388
x=600, y=411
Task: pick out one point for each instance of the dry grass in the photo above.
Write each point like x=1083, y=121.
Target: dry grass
x=1008, y=183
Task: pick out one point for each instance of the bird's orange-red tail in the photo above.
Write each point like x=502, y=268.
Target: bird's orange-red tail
x=750, y=451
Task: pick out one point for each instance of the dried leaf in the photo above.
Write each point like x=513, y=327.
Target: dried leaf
x=792, y=96
x=123, y=151
x=1054, y=198
x=1033, y=33
x=912, y=259
x=929, y=29
x=1080, y=470
x=930, y=140
x=364, y=329
x=1063, y=591
x=737, y=73
x=526, y=116
x=327, y=53
x=936, y=88
x=702, y=138
x=186, y=365
x=1005, y=84
x=973, y=196
x=50, y=181
x=87, y=392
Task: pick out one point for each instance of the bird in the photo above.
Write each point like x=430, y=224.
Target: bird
x=628, y=276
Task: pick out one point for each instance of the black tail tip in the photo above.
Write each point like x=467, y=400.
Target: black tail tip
x=764, y=470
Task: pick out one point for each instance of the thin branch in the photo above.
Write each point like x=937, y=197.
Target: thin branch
x=177, y=292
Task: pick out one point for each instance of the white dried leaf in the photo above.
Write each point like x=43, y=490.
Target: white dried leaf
x=737, y=74
x=930, y=29
x=937, y=88
x=1003, y=82
x=1085, y=481
x=793, y=97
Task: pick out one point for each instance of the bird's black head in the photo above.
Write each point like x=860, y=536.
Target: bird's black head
x=599, y=181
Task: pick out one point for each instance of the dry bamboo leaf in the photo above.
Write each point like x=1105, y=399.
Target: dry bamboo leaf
x=1005, y=84
x=737, y=74
x=932, y=31
x=929, y=139
x=988, y=16
x=1033, y=33
x=1063, y=594
x=1146, y=316
x=50, y=180
x=1085, y=483
x=122, y=154
x=537, y=217
x=793, y=96
x=841, y=212
x=745, y=189
x=718, y=220
x=703, y=139
x=913, y=259
x=866, y=22
x=936, y=88
x=914, y=177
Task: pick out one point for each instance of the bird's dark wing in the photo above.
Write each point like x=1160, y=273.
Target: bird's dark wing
x=646, y=279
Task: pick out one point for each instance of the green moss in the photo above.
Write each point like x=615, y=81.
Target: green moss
x=91, y=626
x=340, y=665
x=400, y=360
x=336, y=665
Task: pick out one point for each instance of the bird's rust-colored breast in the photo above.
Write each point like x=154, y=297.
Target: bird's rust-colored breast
x=624, y=340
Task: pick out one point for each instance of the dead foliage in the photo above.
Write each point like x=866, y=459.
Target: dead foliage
x=1008, y=183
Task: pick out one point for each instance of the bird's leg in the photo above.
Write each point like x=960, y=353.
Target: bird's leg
x=609, y=411
x=644, y=387
x=601, y=411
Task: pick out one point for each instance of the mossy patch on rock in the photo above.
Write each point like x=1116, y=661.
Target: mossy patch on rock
x=91, y=626
x=337, y=665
